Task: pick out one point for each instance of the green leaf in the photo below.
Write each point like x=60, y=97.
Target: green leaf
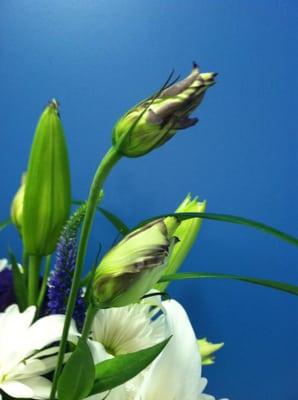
x=231, y=219
x=77, y=377
x=116, y=221
x=5, y=223
x=118, y=370
x=285, y=287
x=18, y=282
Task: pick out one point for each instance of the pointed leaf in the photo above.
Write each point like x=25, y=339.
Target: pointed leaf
x=5, y=223
x=116, y=221
x=118, y=370
x=233, y=219
x=77, y=377
x=285, y=287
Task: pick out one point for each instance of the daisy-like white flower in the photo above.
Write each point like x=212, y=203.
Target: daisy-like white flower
x=24, y=352
x=175, y=374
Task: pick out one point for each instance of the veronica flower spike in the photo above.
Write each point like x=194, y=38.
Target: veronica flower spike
x=23, y=357
x=155, y=120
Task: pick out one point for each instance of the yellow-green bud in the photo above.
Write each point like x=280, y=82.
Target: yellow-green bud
x=186, y=233
x=207, y=350
x=47, y=195
x=131, y=268
x=16, y=210
x=155, y=120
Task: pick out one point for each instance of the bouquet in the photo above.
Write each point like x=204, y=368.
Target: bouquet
x=115, y=332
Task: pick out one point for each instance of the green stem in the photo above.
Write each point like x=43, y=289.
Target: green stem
x=43, y=288
x=91, y=311
x=33, y=278
x=109, y=160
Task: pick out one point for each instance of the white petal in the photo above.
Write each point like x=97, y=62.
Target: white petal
x=176, y=372
x=17, y=389
x=98, y=351
x=3, y=264
x=33, y=367
x=46, y=352
x=40, y=386
x=126, y=329
x=118, y=393
x=48, y=330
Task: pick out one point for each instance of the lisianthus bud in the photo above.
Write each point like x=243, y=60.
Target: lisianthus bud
x=207, y=350
x=47, y=196
x=186, y=233
x=16, y=211
x=151, y=123
x=131, y=268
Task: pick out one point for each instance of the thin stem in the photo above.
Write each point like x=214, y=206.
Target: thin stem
x=110, y=159
x=43, y=288
x=33, y=278
x=25, y=260
x=91, y=311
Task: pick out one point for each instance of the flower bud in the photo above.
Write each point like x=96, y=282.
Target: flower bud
x=155, y=120
x=47, y=196
x=16, y=210
x=186, y=233
x=131, y=268
x=207, y=349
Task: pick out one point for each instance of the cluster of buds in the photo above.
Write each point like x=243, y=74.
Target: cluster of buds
x=154, y=121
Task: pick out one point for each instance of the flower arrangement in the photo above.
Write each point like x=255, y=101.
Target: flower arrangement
x=115, y=333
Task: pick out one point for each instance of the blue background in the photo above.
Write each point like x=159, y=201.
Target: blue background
x=101, y=57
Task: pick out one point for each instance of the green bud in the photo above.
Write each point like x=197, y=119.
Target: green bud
x=155, y=120
x=131, y=268
x=47, y=195
x=186, y=233
x=207, y=349
x=16, y=211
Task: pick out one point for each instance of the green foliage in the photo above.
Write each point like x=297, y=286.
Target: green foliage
x=285, y=287
x=78, y=375
x=118, y=370
x=233, y=219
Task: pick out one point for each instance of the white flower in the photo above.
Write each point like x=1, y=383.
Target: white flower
x=21, y=361
x=175, y=374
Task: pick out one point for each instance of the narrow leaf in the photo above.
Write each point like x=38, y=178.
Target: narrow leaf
x=116, y=221
x=118, y=370
x=285, y=287
x=231, y=219
x=5, y=223
x=77, y=377
x=18, y=282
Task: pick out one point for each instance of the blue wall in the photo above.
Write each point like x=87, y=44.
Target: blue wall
x=101, y=57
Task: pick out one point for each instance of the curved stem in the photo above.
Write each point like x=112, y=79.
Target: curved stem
x=109, y=160
x=33, y=278
x=91, y=311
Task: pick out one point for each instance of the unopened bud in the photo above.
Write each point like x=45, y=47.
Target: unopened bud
x=47, y=195
x=207, y=350
x=155, y=120
x=131, y=268
x=16, y=211
x=186, y=233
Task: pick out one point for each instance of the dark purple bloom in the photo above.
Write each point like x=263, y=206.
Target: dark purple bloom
x=7, y=296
